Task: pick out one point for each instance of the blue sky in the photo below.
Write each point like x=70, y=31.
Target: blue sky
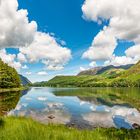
x=64, y=21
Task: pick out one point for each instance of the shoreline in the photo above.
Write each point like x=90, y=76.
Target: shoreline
x=12, y=89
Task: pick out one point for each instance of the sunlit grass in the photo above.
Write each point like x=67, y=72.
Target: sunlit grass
x=12, y=128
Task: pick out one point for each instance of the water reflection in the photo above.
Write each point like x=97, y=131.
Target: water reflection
x=24, y=92
x=106, y=96
x=8, y=101
x=78, y=107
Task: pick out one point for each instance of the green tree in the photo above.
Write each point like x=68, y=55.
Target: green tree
x=9, y=77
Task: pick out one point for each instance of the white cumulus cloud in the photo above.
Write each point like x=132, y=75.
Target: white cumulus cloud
x=17, y=31
x=21, y=58
x=25, y=67
x=102, y=46
x=15, y=28
x=28, y=73
x=42, y=73
x=83, y=69
x=123, y=17
x=120, y=60
x=45, y=48
x=93, y=64
x=10, y=59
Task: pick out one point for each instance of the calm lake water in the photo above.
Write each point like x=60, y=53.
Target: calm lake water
x=78, y=107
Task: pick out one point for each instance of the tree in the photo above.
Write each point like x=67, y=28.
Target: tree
x=9, y=77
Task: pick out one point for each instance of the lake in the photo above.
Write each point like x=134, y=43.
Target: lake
x=75, y=107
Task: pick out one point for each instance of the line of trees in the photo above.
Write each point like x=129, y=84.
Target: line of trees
x=120, y=82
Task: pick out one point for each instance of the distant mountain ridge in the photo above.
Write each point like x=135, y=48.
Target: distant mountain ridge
x=109, y=76
x=100, y=70
x=24, y=80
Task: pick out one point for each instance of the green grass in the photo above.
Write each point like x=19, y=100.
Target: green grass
x=12, y=128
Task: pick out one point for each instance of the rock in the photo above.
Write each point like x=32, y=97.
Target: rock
x=136, y=126
x=51, y=117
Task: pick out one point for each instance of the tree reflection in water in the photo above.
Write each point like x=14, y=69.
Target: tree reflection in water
x=9, y=100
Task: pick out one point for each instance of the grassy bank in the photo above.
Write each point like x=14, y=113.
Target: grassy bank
x=12, y=128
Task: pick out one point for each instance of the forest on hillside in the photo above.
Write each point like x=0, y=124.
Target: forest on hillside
x=9, y=77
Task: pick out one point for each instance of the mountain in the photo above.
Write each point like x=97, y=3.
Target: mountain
x=24, y=80
x=9, y=77
x=101, y=70
x=129, y=78
x=92, y=71
x=110, y=76
x=132, y=73
x=135, y=69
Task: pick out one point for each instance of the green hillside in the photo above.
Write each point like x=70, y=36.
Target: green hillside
x=129, y=78
x=109, y=77
x=76, y=81
x=112, y=73
x=104, y=69
x=133, y=73
x=9, y=77
x=24, y=80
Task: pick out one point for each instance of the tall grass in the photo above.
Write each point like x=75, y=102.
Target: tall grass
x=27, y=129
